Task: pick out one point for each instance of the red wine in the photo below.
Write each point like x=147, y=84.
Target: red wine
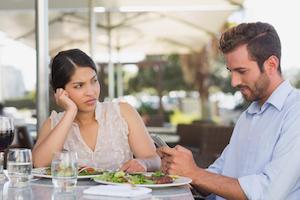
x=6, y=138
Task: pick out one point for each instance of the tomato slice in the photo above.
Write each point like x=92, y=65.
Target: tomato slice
x=90, y=170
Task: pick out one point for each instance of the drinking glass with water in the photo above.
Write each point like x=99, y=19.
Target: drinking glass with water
x=2, y=176
x=19, y=166
x=63, y=196
x=64, y=171
x=16, y=193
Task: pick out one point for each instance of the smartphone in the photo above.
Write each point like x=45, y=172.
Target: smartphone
x=158, y=141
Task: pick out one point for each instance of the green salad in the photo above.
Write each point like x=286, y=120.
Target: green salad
x=135, y=178
x=82, y=171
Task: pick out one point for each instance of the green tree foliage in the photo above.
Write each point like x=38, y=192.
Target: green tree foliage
x=145, y=78
x=297, y=82
x=170, y=72
x=27, y=101
x=172, y=75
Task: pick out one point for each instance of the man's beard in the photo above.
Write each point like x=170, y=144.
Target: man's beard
x=258, y=90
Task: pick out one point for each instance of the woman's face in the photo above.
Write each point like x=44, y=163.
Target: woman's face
x=84, y=89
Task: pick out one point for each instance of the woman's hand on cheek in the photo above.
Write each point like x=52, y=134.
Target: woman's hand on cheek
x=62, y=99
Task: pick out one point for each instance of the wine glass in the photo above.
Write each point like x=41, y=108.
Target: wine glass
x=6, y=132
x=6, y=138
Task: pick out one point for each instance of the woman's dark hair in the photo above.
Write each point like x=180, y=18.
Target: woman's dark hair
x=63, y=66
x=261, y=39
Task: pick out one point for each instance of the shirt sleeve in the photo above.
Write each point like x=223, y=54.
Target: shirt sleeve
x=217, y=166
x=280, y=175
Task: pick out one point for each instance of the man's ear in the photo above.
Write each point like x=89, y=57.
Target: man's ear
x=271, y=65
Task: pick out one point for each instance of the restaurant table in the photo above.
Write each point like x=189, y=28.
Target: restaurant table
x=42, y=188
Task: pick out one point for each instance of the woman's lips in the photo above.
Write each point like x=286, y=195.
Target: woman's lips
x=91, y=101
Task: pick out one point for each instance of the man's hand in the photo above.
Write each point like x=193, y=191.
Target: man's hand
x=177, y=161
x=133, y=166
x=62, y=99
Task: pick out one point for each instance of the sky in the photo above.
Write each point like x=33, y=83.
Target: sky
x=282, y=14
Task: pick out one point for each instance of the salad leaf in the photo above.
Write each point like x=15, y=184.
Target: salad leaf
x=86, y=171
x=136, y=178
x=158, y=174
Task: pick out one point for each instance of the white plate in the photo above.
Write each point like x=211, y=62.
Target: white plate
x=41, y=172
x=177, y=182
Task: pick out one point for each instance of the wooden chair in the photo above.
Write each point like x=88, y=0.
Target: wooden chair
x=22, y=139
x=214, y=139
x=190, y=137
x=204, y=140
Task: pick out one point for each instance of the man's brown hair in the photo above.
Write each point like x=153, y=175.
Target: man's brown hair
x=261, y=39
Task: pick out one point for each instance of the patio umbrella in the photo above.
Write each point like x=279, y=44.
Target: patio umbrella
x=151, y=27
x=124, y=26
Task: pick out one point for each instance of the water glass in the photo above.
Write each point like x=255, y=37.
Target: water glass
x=64, y=171
x=19, y=166
x=63, y=196
x=16, y=193
x=2, y=176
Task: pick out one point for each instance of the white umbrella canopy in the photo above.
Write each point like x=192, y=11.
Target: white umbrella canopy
x=144, y=26
x=151, y=27
x=123, y=26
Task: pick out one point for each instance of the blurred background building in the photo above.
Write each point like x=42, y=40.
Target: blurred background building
x=12, y=83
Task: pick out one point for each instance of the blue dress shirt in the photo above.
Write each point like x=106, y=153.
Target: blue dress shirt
x=264, y=150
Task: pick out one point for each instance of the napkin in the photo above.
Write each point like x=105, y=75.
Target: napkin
x=117, y=190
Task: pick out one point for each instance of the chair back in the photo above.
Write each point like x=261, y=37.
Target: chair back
x=23, y=138
x=206, y=141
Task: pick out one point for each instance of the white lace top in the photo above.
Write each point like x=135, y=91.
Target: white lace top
x=112, y=147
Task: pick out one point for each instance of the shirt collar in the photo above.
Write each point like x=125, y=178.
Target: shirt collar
x=276, y=99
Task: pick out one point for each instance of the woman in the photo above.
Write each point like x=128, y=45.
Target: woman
x=104, y=135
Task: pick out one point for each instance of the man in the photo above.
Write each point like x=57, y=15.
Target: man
x=261, y=161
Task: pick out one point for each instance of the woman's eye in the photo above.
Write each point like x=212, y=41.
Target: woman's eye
x=95, y=80
x=77, y=86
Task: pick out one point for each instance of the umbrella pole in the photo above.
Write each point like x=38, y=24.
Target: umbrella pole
x=92, y=28
x=111, y=82
x=42, y=56
x=120, y=88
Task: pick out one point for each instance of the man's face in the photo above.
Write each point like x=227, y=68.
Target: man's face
x=246, y=75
